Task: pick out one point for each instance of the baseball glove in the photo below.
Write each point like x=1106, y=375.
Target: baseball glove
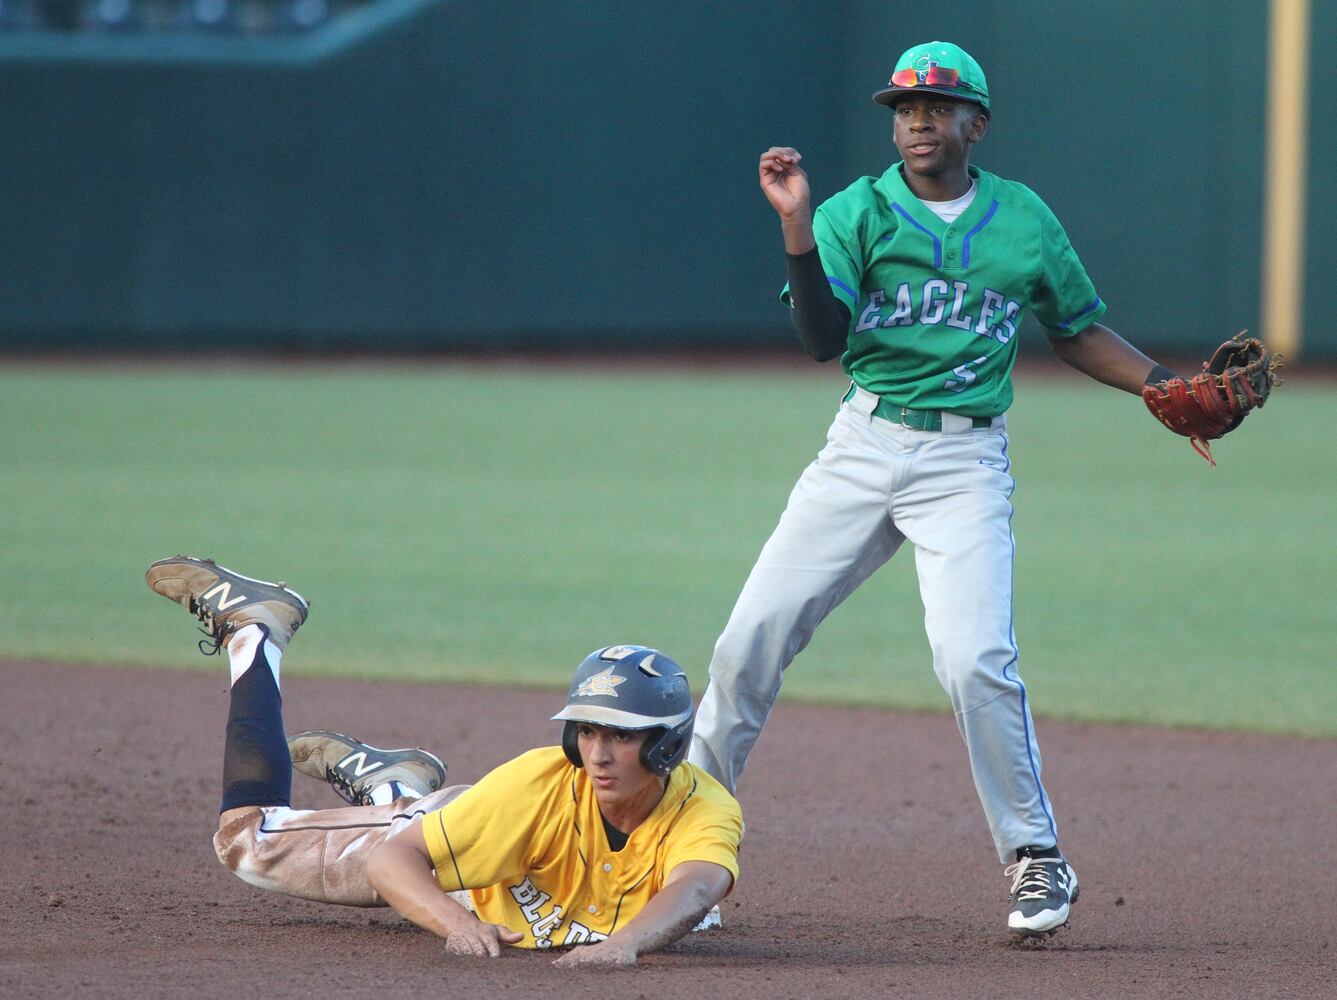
x=1236, y=381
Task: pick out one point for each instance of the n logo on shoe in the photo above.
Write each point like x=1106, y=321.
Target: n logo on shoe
x=225, y=589
x=358, y=763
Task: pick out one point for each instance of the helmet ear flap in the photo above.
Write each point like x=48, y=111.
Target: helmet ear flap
x=570, y=745
x=664, y=748
x=652, y=750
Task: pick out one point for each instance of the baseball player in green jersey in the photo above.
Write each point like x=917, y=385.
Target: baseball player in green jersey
x=918, y=280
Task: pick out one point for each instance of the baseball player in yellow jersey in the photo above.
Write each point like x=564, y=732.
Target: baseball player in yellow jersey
x=611, y=841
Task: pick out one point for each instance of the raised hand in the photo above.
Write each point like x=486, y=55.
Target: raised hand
x=784, y=182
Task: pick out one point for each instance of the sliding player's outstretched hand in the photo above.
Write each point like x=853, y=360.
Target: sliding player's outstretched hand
x=481, y=939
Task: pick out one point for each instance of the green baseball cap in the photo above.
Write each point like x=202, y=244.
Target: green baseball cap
x=939, y=68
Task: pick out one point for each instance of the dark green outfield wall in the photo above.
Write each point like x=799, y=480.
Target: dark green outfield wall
x=473, y=174
x=1321, y=263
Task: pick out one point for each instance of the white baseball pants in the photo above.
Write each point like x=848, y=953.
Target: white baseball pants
x=874, y=485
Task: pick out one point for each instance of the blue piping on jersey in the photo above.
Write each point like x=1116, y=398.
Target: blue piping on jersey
x=937, y=243
x=965, y=244
x=1089, y=309
x=1016, y=654
x=843, y=287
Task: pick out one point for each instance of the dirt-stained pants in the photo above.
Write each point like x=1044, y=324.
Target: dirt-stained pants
x=318, y=854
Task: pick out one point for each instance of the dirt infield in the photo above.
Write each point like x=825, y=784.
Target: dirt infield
x=1206, y=860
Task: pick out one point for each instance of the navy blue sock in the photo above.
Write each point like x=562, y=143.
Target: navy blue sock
x=1039, y=852
x=257, y=770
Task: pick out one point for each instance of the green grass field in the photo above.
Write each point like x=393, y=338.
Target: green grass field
x=494, y=524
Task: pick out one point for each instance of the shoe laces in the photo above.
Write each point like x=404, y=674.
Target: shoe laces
x=344, y=786
x=1032, y=878
x=217, y=631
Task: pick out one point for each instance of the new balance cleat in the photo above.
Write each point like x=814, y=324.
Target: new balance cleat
x=225, y=601
x=355, y=769
x=1043, y=891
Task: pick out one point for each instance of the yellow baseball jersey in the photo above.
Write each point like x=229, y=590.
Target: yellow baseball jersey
x=528, y=843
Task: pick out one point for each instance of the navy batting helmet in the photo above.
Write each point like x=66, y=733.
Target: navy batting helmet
x=635, y=688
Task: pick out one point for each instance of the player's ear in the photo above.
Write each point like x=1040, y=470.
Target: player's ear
x=978, y=126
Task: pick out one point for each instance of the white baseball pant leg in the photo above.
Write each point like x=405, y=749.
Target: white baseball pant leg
x=318, y=854
x=834, y=533
x=958, y=516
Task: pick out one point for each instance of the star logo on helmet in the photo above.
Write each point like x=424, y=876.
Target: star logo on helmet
x=602, y=684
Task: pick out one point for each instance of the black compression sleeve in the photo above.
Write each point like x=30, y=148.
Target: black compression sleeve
x=821, y=320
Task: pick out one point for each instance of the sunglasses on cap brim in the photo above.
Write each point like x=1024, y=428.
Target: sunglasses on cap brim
x=934, y=76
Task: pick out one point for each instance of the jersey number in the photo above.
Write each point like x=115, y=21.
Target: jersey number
x=964, y=375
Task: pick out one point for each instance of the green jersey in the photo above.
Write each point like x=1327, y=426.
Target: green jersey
x=935, y=306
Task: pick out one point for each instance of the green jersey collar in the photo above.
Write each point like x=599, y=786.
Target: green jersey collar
x=898, y=192
x=950, y=241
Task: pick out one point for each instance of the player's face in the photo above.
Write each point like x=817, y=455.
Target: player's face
x=934, y=133
x=612, y=759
